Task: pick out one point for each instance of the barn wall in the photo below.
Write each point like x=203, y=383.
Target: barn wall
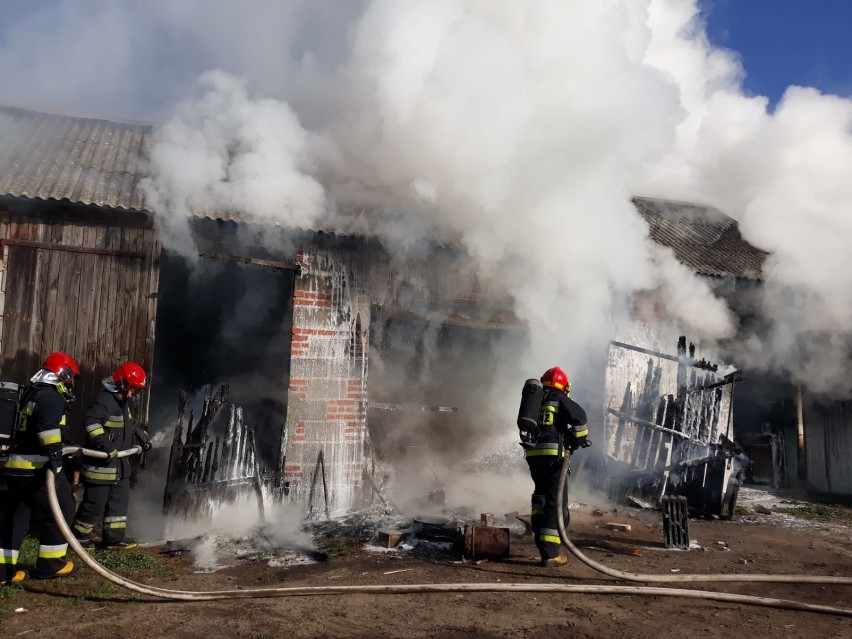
x=828, y=444
x=90, y=293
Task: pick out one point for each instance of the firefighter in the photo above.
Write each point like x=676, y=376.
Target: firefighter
x=110, y=428
x=36, y=451
x=561, y=425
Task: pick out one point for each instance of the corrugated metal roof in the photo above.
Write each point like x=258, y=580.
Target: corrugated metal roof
x=702, y=238
x=101, y=162
x=80, y=160
x=84, y=161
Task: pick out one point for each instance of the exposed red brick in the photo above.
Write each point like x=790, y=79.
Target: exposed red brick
x=314, y=331
x=311, y=303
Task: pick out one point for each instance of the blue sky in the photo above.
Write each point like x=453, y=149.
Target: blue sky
x=780, y=42
x=784, y=42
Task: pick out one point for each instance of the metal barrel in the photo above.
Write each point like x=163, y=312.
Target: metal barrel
x=486, y=542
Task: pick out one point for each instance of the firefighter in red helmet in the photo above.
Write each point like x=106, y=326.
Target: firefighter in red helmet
x=110, y=427
x=561, y=425
x=37, y=450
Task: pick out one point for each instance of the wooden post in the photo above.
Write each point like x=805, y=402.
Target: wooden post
x=801, y=451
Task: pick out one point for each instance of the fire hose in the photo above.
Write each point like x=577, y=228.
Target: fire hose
x=180, y=595
x=651, y=578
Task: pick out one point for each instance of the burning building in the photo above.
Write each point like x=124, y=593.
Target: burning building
x=326, y=342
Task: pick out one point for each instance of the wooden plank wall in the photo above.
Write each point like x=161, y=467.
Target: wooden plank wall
x=828, y=446
x=100, y=309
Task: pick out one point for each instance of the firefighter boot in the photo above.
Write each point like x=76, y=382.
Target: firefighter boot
x=18, y=577
x=561, y=560
x=66, y=570
x=87, y=545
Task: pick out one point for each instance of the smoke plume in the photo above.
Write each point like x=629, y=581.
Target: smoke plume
x=518, y=130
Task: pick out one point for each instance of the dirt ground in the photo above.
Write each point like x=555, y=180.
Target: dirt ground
x=755, y=542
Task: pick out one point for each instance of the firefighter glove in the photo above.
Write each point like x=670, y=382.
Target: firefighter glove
x=580, y=442
x=54, y=462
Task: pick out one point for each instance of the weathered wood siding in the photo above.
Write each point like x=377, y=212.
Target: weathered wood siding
x=92, y=296
x=828, y=445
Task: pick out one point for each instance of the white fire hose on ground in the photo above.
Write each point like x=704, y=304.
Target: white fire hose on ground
x=180, y=595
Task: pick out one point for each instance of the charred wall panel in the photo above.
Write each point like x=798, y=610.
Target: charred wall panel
x=668, y=426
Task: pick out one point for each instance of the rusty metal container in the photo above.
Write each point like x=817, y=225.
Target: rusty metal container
x=486, y=542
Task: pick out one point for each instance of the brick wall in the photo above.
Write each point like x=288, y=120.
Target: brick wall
x=327, y=396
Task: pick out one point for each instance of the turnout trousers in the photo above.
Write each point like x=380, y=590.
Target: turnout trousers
x=109, y=501
x=25, y=496
x=545, y=475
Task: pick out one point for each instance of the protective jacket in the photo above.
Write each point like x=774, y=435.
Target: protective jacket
x=36, y=451
x=562, y=424
x=40, y=434
x=110, y=427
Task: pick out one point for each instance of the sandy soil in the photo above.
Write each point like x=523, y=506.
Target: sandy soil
x=774, y=542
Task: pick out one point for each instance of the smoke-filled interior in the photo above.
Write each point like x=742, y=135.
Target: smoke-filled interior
x=221, y=322
x=431, y=407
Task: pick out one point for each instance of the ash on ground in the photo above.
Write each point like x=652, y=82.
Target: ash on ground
x=358, y=526
x=215, y=552
x=762, y=505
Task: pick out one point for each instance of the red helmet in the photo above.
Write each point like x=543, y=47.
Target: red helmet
x=129, y=375
x=63, y=366
x=556, y=378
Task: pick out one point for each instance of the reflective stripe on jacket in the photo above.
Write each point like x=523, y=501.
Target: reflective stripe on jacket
x=109, y=426
x=40, y=433
x=543, y=449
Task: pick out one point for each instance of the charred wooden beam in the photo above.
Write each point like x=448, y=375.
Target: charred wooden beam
x=279, y=266
x=413, y=407
x=643, y=422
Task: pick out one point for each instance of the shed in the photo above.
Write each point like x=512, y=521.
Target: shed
x=80, y=257
x=83, y=271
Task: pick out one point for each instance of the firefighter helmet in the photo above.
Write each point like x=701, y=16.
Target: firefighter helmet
x=129, y=375
x=556, y=378
x=63, y=366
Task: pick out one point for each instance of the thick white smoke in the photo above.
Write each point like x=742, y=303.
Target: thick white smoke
x=782, y=174
x=519, y=129
x=481, y=123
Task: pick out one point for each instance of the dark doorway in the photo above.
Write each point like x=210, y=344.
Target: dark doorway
x=222, y=322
